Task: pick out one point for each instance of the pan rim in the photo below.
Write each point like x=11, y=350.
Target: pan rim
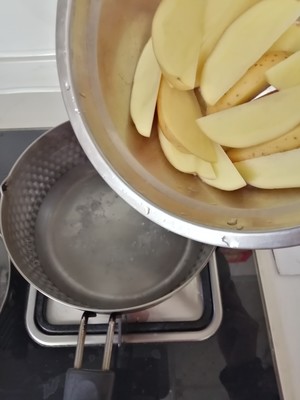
x=15, y=257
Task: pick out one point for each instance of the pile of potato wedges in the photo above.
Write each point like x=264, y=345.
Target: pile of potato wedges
x=203, y=70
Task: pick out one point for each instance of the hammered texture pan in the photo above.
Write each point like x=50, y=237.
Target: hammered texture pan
x=76, y=241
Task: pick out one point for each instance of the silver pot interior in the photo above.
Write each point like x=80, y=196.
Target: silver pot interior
x=98, y=45
x=76, y=241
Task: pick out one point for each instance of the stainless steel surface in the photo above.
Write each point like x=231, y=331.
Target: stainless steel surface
x=98, y=45
x=76, y=241
x=81, y=340
x=102, y=252
x=4, y=273
x=109, y=343
x=269, y=90
x=185, y=305
x=48, y=340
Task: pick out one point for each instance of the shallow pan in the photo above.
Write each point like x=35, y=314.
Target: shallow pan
x=77, y=242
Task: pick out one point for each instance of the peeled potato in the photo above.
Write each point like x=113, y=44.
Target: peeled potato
x=145, y=90
x=233, y=50
x=243, y=43
x=289, y=41
x=173, y=81
x=227, y=176
x=275, y=171
x=254, y=122
x=177, y=113
x=285, y=74
x=251, y=84
x=222, y=174
x=217, y=17
x=185, y=162
x=177, y=37
x=288, y=141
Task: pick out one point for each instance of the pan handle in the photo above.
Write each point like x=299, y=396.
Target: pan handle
x=82, y=384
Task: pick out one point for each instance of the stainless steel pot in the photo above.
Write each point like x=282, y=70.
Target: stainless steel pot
x=4, y=273
x=79, y=243
x=98, y=45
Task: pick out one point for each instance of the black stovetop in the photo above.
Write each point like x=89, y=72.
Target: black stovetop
x=230, y=365
x=234, y=364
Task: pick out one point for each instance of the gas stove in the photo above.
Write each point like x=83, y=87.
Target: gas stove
x=192, y=314
x=176, y=351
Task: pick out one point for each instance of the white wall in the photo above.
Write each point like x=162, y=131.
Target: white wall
x=29, y=89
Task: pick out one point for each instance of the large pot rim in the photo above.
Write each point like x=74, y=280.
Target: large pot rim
x=230, y=238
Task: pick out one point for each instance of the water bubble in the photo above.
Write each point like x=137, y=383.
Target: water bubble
x=147, y=210
x=67, y=85
x=232, y=221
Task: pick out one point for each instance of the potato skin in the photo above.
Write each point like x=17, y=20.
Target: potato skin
x=285, y=74
x=275, y=171
x=288, y=141
x=251, y=84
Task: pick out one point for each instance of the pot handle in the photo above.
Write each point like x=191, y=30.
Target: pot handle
x=82, y=384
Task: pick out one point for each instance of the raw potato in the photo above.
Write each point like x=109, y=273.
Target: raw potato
x=218, y=16
x=177, y=113
x=254, y=31
x=227, y=176
x=285, y=74
x=254, y=122
x=145, y=90
x=234, y=49
x=289, y=41
x=184, y=162
x=276, y=171
x=177, y=38
x=251, y=84
x=289, y=141
x=173, y=82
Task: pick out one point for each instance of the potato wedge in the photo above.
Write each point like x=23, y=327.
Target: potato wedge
x=254, y=122
x=185, y=162
x=218, y=16
x=145, y=90
x=289, y=41
x=173, y=81
x=177, y=37
x=288, y=141
x=251, y=84
x=255, y=30
x=285, y=74
x=227, y=176
x=275, y=171
x=177, y=113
